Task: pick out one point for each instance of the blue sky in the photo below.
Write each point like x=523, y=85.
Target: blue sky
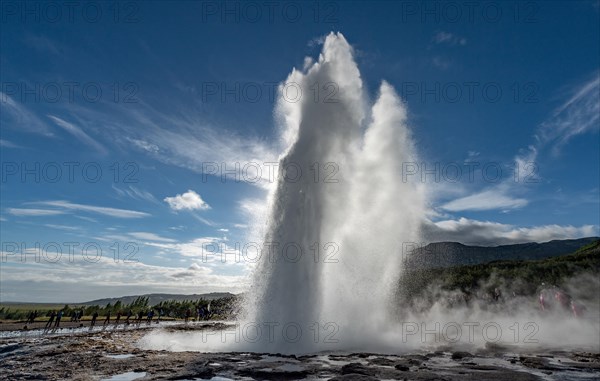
x=149, y=92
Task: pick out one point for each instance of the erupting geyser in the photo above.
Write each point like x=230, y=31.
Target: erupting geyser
x=332, y=251
x=356, y=213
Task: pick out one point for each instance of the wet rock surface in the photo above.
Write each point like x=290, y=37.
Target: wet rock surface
x=102, y=355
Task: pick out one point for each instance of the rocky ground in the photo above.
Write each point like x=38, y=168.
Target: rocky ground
x=113, y=355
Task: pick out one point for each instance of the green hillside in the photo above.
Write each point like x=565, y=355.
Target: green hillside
x=518, y=277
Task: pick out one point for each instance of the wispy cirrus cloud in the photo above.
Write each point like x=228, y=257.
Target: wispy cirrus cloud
x=17, y=116
x=150, y=237
x=144, y=145
x=43, y=44
x=441, y=62
x=489, y=199
x=448, y=38
x=8, y=144
x=184, y=141
x=136, y=194
x=30, y=212
x=63, y=227
x=79, y=134
x=579, y=113
x=64, y=206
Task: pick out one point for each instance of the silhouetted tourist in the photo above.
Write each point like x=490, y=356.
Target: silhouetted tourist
x=129, y=313
x=107, y=320
x=94, y=317
x=118, y=318
x=188, y=313
x=562, y=298
x=58, y=317
x=150, y=316
x=51, y=320
x=139, y=317
x=497, y=294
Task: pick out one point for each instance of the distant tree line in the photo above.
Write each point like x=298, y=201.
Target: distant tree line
x=216, y=309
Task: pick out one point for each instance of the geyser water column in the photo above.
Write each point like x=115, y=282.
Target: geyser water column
x=360, y=209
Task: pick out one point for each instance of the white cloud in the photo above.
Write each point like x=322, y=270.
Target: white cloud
x=112, y=212
x=476, y=232
x=198, y=247
x=193, y=271
x=189, y=200
x=107, y=278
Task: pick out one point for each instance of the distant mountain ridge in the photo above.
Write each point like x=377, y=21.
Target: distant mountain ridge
x=447, y=254
x=157, y=298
